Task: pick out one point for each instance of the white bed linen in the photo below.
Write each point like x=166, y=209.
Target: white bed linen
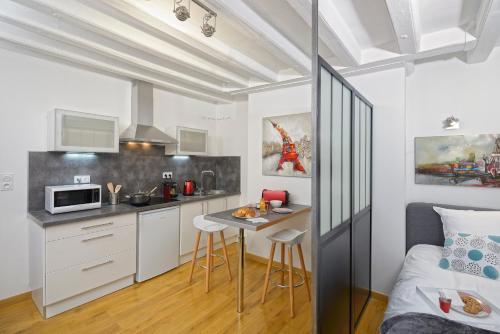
x=421, y=269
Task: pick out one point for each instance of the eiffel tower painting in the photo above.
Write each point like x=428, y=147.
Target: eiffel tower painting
x=286, y=145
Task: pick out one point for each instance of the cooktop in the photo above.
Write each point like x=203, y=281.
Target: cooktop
x=158, y=200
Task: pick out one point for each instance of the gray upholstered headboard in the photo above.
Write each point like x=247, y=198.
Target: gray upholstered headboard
x=424, y=226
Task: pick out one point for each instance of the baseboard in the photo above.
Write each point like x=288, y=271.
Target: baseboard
x=380, y=296
x=263, y=260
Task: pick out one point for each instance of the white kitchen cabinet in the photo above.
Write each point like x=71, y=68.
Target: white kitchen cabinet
x=189, y=142
x=232, y=202
x=187, y=230
x=72, y=131
x=74, y=263
x=214, y=205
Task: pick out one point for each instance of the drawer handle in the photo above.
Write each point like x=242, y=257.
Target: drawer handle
x=98, y=225
x=98, y=237
x=97, y=265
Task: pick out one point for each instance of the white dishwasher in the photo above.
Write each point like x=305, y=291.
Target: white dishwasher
x=157, y=242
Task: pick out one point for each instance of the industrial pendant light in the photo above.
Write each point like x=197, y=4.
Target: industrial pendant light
x=183, y=12
x=206, y=28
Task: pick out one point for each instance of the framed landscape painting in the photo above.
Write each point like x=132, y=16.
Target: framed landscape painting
x=286, y=145
x=472, y=160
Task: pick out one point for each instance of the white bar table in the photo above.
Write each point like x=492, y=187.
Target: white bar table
x=226, y=217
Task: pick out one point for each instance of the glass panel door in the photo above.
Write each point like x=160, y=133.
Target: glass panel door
x=87, y=132
x=346, y=154
x=325, y=151
x=343, y=187
x=336, y=157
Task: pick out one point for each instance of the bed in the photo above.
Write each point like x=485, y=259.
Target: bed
x=407, y=310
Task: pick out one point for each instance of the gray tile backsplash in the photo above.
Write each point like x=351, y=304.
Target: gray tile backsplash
x=135, y=168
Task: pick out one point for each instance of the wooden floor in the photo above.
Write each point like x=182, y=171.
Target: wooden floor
x=167, y=304
x=372, y=316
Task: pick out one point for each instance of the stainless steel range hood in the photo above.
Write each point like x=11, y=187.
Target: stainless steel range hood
x=142, y=130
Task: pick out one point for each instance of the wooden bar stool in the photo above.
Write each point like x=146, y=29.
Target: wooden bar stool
x=209, y=227
x=290, y=238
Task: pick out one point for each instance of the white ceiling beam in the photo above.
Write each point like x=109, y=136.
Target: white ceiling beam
x=24, y=40
x=406, y=25
x=487, y=31
x=338, y=33
x=99, y=23
x=333, y=31
x=170, y=31
x=278, y=44
x=275, y=85
x=440, y=43
x=39, y=24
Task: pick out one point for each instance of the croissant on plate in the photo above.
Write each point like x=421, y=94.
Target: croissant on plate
x=245, y=213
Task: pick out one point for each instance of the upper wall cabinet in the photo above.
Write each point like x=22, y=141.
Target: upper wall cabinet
x=72, y=131
x=189, y=142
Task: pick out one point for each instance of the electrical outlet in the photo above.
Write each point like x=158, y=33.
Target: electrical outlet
x=81, y=179
x=168, y=175
x=6, y=182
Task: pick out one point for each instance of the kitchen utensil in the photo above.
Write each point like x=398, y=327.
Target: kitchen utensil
x=110, y=187
x=152, y=191
x=114, y=199
x=141, y=198
x=276, y=203
x=118, y=188
x=138, y=198
x=189, y=188
x=282, y=210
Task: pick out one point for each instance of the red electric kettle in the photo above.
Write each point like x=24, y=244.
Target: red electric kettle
x=189, y=188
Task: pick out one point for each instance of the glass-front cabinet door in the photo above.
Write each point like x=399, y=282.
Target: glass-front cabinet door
x=72, y=131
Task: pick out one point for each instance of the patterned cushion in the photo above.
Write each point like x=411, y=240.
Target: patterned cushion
x=472, y=254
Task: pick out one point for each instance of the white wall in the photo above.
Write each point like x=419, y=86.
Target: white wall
x=30, y=87
x=232, y=137
x=284, y=101
x=441, y=89
x=386, y=91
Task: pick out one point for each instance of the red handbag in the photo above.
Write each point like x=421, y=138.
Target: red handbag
x=280, y=195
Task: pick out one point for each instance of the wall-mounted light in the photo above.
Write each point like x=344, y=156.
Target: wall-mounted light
x=451, y=123
x=182, y=10
x=78, y=155
x=181, y=157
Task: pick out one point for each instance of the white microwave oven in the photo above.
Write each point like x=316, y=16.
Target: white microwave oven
x=75, y=197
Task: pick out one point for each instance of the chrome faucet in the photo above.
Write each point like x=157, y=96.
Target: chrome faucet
x=203, y=172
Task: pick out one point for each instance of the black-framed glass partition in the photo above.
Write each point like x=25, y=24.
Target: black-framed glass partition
x=342, y=183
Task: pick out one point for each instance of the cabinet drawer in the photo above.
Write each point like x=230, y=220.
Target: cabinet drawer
x=72, y=251
x=89, y=226
x=72, y=281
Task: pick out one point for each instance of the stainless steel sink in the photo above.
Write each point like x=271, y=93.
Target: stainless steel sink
x=216, y=192
x=210, y=192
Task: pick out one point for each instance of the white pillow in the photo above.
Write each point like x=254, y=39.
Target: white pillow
x=470, y=221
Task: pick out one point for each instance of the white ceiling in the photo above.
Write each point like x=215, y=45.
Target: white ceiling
x=444, y=14
x=369, y=21
x=258, y=44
